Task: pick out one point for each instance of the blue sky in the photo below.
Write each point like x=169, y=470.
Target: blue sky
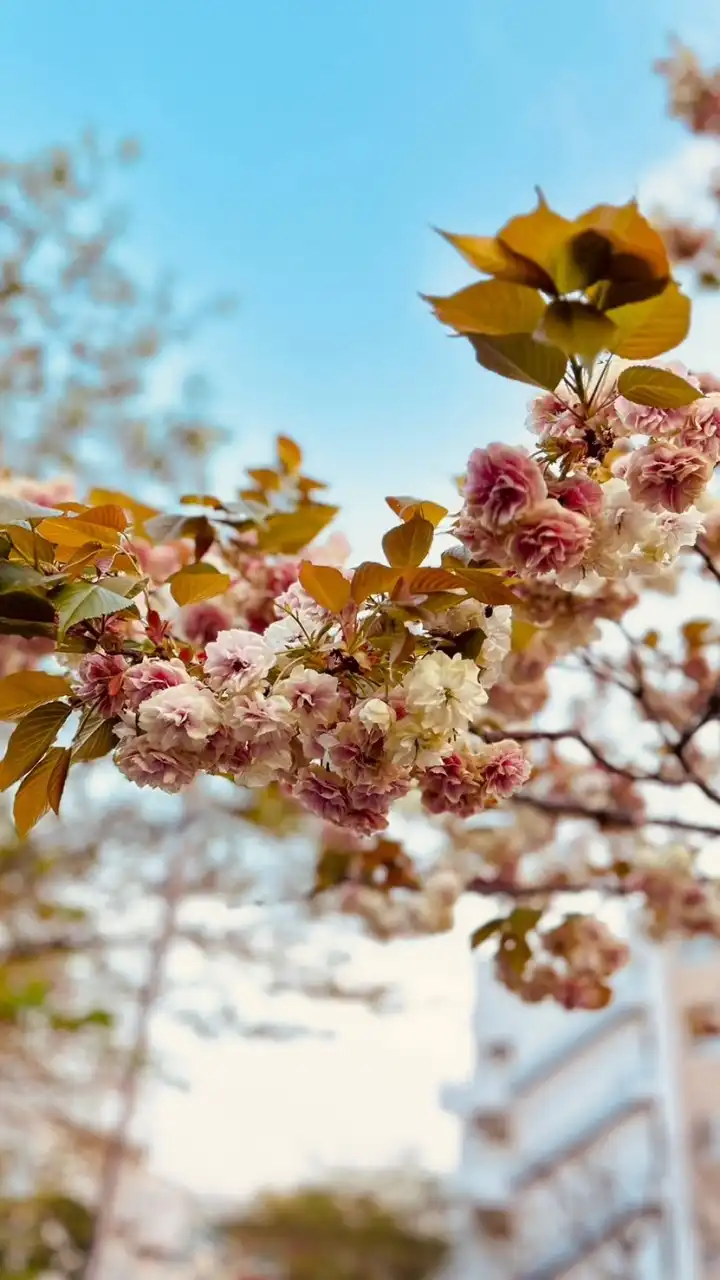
x=297, y=155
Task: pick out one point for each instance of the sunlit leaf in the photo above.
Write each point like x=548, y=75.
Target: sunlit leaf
x=660, y=388
x=577, y=328
x=647, y=329
x=370, y=579
x=490, y=307
x=41, y=790
x=202, y=500
x=25, y=690
x=326, y=585
x=289, y=455
x=83, y=600
x=490, y=256
x=94, y=739
x=292, y=531
x=75, y=531
x=30, y=545
x=522, y=634
x=639, y=251
x=197, y=582
x=30, y=740
x=487, y=930
x=521, y=358
x=406, y=508
x=409, y=543
x=485, y=586
x=539, y=236
x=426, y=581
x=138, y=511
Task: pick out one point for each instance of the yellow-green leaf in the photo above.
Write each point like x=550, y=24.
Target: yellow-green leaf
x=485, y=586
x=491, y=307
x=409, y=543
x=74, y=531
x=41, y=790
x=30, y=740
x=522, y=634
x=639, y=250
x=406, y=508
x=326, y=585
x=660, y=388
x=427, y=581
x=540, y=236
x=25, y=690
x=288, y=532
x=82, y=600
x=490, y=256
x=577, y=328
x=289, y=455
x=370, y=579
x=94, y=739
x=521, y=358
x=647, y=329
x=197, y=582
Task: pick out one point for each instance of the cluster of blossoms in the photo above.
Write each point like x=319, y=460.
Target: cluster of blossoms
x=573, y=964
x=623, y=501
x=310, y=703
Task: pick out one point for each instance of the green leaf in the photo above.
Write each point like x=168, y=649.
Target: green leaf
x=25, y=690
x=30, y=740
x=14, y=575
x=660, y=388
x=521, y=358
x=197, y=582
x=577, y=328
x=647, y=329
x=288, y=532
x=95, y=738
x=82, y=600
x=490, y=307
x=41, y=790
x=408, y=543
x=523, y=919
x=26, y=613
x=487, y=930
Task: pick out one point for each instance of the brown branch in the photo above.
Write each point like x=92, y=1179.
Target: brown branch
x=612, y=817
x=574, y=735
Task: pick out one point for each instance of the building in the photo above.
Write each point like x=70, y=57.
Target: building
x=591, y=1141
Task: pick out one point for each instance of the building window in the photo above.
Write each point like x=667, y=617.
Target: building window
x=703, y=1026
x=493, y=1224
x=500, y=1051
x=493, y=1125
x=706, y=1138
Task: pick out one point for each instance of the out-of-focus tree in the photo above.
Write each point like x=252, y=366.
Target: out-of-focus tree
x=84, y=333
x=339, y=1232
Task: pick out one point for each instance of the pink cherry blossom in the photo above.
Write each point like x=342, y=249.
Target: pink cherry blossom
x=505, y=768
x=453, y=786
x=202, y=623
x=579, y=493
x=664, y=477
x=150, y=676
x=147, y=765
x=550, y=417
x=647, y=420
x=701, y=428
x=237, y=660
x=313, y=695
x=327, y=795
x=503, y=484
x=550, y=539
x=101, y=683
x=180, y=718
